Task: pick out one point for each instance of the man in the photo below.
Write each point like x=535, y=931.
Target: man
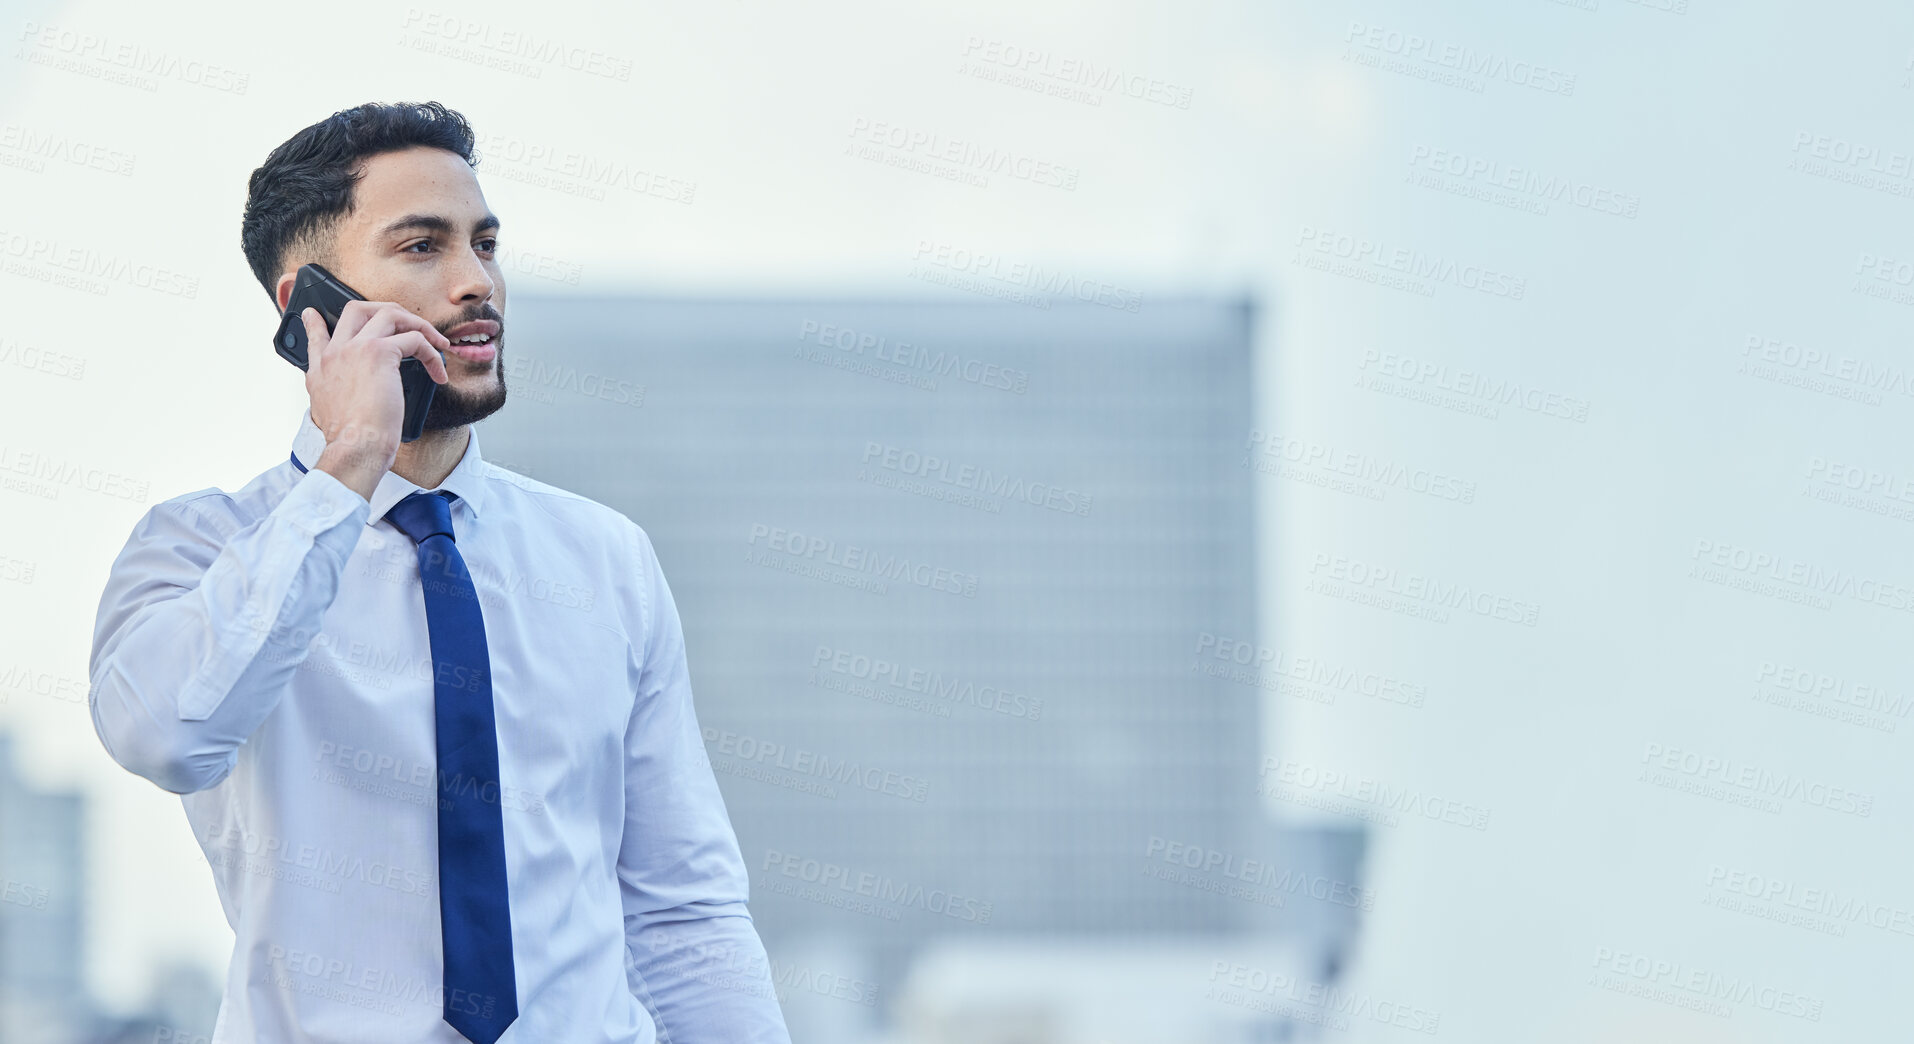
x=431, y=720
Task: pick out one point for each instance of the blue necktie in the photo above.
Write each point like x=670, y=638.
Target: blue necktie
x=481, y=994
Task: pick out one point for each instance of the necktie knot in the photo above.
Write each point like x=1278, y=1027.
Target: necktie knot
x=423, y=515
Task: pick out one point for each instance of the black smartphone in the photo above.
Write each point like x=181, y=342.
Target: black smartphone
x=314, y=287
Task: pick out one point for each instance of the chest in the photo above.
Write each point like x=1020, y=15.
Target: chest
x=560, y=669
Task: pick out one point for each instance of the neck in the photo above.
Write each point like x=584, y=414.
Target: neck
x=426, y=460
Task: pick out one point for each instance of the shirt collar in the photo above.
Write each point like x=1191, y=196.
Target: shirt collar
x=467, y=478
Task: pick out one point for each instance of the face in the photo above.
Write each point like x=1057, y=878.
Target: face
x=421, y=236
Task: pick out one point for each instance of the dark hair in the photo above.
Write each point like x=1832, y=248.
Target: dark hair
x=305, y=186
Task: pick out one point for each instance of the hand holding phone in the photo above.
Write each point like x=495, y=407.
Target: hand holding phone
x=347, y=327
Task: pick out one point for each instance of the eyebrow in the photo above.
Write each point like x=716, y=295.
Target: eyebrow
x=436, y=223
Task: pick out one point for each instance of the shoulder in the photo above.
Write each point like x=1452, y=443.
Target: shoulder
x=183, y=534
x=216, y=513
x=615, y=549
x=574, y=511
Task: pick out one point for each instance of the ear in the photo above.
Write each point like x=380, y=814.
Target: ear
x=283, y=292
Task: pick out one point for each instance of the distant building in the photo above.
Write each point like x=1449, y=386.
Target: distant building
x=1134, y=990
x=42, y=888
x=944, y=571
x=43, y=996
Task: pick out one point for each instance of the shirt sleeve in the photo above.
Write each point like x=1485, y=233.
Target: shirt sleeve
x=204, y=619
x=696, y=962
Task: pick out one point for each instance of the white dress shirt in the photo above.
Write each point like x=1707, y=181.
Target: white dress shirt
x=264, y=654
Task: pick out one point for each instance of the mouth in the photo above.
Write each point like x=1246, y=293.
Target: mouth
x=476, y=341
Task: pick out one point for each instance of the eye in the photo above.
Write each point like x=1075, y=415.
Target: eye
x=420, y=243
x=488, y=244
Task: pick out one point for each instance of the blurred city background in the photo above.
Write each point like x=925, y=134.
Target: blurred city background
x=1424, y=488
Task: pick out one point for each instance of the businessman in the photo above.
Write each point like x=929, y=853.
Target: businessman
x=431, y=720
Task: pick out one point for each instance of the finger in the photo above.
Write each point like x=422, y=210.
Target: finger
x=353, y=315
x=412, y=344
x=317, y=340
x=393, y=319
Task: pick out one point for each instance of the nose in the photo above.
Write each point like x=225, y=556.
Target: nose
x=472, y=283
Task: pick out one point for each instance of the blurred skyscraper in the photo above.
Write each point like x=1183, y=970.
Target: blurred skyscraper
x=41, y=887
x=43, y=994
x=945, y=572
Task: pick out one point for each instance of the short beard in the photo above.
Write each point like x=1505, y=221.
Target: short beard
x=452, y=408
